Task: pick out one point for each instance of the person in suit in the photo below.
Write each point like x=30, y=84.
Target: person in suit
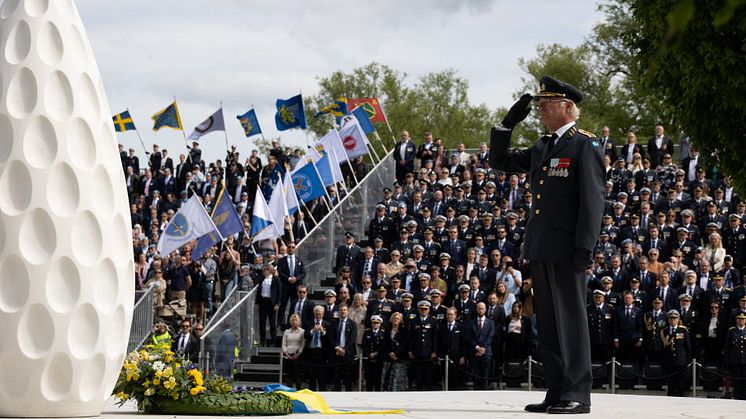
x=367, y=265
x=345, y=350
x=168, y=183
x=268, y=303
x=318, y=334
x=482, y=331
x=404, y=153
x=659, y=145
x=301, y=305
x=166, y=162
x=186, y=343
x=300, y=229
x=677, y=352
x=627, y=331
x=453, y=343
x=292, y=272
x=560, y=234
x=607, y=143
x=155, y=159
x=373, y=353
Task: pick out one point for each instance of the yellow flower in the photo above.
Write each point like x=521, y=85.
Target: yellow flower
x=168, y=372
x=134, y=376
x=196, y=390
x=122, y=396
x=149, y=392
x=175, y=396
x=170, y=384
x=168, y=359
x=156, y=381
x=178, y=365
x=146, y=384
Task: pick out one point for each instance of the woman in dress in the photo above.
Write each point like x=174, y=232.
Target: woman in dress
x=517, y=334
x=396, y=344
x=292, y=350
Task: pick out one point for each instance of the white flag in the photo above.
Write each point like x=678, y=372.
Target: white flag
x=262, y=223
x=291, y=200
x=331, y=160
x=214, y=122
x=278, y=207
x=190, y=223
x=331, y=141
x=353, y=140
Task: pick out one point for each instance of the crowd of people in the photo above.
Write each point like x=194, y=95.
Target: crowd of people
x=441, y=273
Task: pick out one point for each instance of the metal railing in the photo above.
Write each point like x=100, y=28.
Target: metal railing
x=230, y=338
x=229, y=302
x=142, y=319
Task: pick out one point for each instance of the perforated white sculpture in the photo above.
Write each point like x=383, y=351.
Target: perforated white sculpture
x=66, y=264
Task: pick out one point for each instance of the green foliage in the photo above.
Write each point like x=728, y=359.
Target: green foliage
x=692, y=53
x=437, y=102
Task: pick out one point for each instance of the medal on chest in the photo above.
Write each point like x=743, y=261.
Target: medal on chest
x=559, y=167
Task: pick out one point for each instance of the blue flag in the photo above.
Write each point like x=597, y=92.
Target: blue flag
x=290, y=113
x=362, y=117
x=227, y=221
x=307, y=183
x=249, y=123
x=167, y=117
x=275, y=176
x=123, y=122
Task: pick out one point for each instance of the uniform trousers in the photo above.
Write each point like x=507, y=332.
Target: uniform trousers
x=737, y=373
x=560, y=293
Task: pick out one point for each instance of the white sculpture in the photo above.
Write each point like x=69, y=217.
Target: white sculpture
x=66, y=262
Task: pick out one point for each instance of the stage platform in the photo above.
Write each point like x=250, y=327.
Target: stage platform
x=502, y=404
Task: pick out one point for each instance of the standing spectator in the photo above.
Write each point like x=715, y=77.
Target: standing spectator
x=677, y=352
x=358, y=313
x=424, y=346
x=715, y=252
x=197, y=293
x=735, y=356
x=292, y=272
x=293, y=342
x=318, y=338
x=345, y=349
x=600, y=326
x=347, y=254
x=373, y=354
x=628, y=331
x=396, y=344
x=659, y=145
x=482, y=333
x=517, y=334
x=268, y=303
x=186, y=343
x=404, y=153
x=178, y=278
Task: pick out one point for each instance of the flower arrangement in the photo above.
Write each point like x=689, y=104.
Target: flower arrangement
x=162, y=382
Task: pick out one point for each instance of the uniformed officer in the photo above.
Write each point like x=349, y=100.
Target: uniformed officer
x=408, y=312
x=373, y=356
x=348, y=253
x=734, y=241
x=331, y=308
x=381, y=306
x=465, y=306
x=600, y=326
x=381, y=226
x=423, y=346
x=437, y=309
x=677, y=352
x=655, y=321
x=735, y=356
x=567, y=177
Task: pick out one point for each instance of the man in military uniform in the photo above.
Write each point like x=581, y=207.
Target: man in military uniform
x=465, y=306
x=373, y=345
x=331, y=308
x=381, y=226
x=431, y=248
x=407, y=311
x=734, y=241
x=600, y=327
x=567, y=178
x=677, y=352
x=655, y=321
x=437, y=309
x=423, y=346
x=735, y=356
x=719, y=294
x=380, y=306
x=348, y=253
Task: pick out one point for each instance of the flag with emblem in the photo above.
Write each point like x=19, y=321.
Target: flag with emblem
x=190, y=223
x=338, y=108
x=372, y=107
x=333, y=145
x=168, y=117
x=227, y=221
x=214, y=122
x=123, y=122
x=290, y=113
x=353, y=139
x=307, y=183
x=249, y=123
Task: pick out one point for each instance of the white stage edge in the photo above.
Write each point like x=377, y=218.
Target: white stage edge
x=502, y=404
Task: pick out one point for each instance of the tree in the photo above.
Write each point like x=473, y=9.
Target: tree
x=692, y=54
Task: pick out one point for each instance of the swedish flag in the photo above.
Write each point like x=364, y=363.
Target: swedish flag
x=168, y=117
x=123, y=122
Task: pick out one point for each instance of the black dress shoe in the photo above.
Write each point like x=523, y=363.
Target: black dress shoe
x=569, y=408
x=538, y=407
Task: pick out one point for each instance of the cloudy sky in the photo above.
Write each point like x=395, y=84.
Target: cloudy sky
x=244, y=52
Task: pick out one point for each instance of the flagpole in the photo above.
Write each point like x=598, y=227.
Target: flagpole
x=336, y=159
x=378, y=137
x=287, y=219
x=225, y=131
x=309, y=213
x=138, y=135
x=186, y=143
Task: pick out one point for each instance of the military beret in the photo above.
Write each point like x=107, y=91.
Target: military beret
x=376, y=319
x=436, y=292
x=685, y=297
x=423, y=304
x=463, y=287
x=330, y=293
x=682, y=230
x=673, y=313
x=553, y=88
x=417, y=247
x=407, y=296
x=444, y=255
x=380, y=206
x=606, y=279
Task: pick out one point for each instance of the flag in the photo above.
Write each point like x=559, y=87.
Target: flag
x=291, y=199
x=338, y=108
x=290, y=113
x=371, y=106
x=262, y=224
x=168, y=117
x=227, y=221
x=334, y=163
x=123, y=122
x=353, y=139
x=333, y=145
x=307, y=183
x=362, y=118
x=214, y=122
x=324, y=165
x=190, y=223
x=274, y=177
x=278, y=208
x=249, y=123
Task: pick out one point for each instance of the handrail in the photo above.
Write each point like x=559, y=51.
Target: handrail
x=142, y=319
x=217, y=311
x=238, y=304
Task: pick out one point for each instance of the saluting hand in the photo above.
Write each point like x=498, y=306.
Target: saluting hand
x=518, y=112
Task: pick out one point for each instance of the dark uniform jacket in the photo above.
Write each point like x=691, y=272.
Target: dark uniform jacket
x=568, y=187
x=423, y=337
x=374, y=342
x=653, y=327
x=735, y=347
x=677, y=348
x=601, y=323
x=628, y=327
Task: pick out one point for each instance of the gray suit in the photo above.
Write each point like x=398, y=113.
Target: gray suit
x=568, y=184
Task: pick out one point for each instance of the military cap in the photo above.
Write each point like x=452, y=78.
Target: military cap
x=482, y=192
x=436, y=292
x=376, y=319
x=673, y=313
x=598, y=292
x=553, y=88
x=618, y=205
x=387, y=190
x=626, y=241
x=718, y=277
x=403, y=231
x=412, y=223
x=459, y=188
x=481, y=171
x=657, y=299
x=487, y=215
x=380, y=206
x=711, y=204
x=450, y=209
x=382, y=287
x=712, y=224
x=429, y=230
x=604, y=233
x=699, y=249
x=489, y=184
x=463, y=287
x=511, y=214
x=645, y=190
x=418, y=247
x=444, y=255
x=621, y=195
x=447, y=186
x=635, y=279
x=441, y=218
x=473, y=208
x=682, y=230
x=349, y=234
x=425, y=181
x=402, y=204
x=425, y=208
x=463, y=218
x=685, y=296
x=407, y=296
x=734, y=216
x=635, y=216
x=606, y=279
x=397, y=185
x=424, y=276
x=743, y=298
x=687, y=213
x=377, y=239
x=395, y=278
x=465, y=185
x=607, y=216
x=423, y=304
x=680, y=172
x=330, y=293
x=245, y=266
x=741, y=315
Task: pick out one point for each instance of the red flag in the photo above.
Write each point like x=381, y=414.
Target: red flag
x=371, y=106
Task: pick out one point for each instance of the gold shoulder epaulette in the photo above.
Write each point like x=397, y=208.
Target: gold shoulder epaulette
x=683, y=327
x=731, y=328
x=586, y=133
